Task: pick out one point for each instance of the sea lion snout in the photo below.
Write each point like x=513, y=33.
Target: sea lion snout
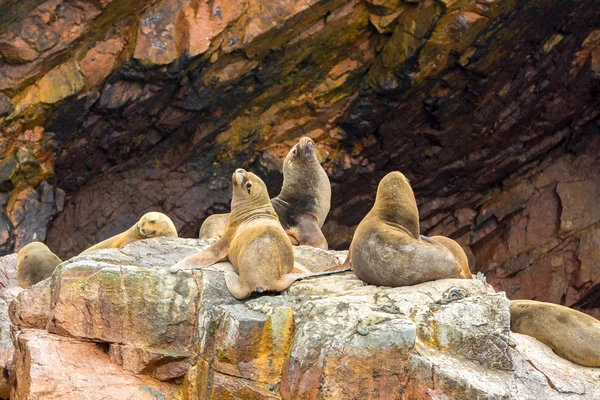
x=238, y=176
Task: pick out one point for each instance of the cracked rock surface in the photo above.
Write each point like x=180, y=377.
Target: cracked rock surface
x=112, y=108
x=121, y=312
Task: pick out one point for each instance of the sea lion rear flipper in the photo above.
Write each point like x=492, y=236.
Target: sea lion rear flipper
x=217, y=252
x=300, y=269
x=234, y=285
x=308, y=233
x=346, y=266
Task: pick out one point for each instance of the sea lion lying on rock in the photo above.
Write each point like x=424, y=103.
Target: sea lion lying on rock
x=387, y=249
x=152, y=224
x=303, y=203
x=35, y=262
x=254, y=241
x=571, y=334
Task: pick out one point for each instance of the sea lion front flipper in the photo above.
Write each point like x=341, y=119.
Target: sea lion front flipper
x=308, y=233
x=217, y=252
x=235, y=286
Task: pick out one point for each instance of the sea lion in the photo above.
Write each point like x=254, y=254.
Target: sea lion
x=458, y=253
x=35, y=262
x=152, y=224
x=571, y=334
x=304, y=200
x=254, y=241
x=387, y=250
x=214, y=226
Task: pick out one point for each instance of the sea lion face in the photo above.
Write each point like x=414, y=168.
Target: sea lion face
x=304, y=151
x=155, y=224
x=247, y=185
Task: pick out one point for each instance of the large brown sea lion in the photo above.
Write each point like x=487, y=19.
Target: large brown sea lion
x=459, y=255
x=387, y=249
x=571, y=334
x=35, y=262
x=152, y=224
x=303, y=203
x=254, y=241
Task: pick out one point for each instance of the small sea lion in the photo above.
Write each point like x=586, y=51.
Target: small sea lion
x=387, y=250
x=458, y=253
x=571, y=334
x=254, y=241
x=152, y=224
x=303, y=203
x=214, y=226
x=35, y=262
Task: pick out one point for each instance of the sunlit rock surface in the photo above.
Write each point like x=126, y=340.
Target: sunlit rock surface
x=489, y=107
x=119, y=313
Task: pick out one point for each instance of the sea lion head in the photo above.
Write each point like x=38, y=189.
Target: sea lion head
x=395, y=202
x=305, y=151
x=155, y=224
x=248, y=187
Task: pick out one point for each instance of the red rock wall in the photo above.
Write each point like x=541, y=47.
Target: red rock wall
x=491, y=108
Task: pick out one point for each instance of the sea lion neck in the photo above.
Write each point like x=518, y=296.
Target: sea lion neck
x=395, y=203
x=245, y=207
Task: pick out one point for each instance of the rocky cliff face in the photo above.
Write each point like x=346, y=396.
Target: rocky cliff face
x=490, y=107
x=155, y=335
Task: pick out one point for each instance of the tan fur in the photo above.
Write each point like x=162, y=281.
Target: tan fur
x=571, y=334
x=303, y=203
x=254, y=242
x=152, y=224
x=458, y=253
x=35, y=262
x=387, y=250
x=214, y=226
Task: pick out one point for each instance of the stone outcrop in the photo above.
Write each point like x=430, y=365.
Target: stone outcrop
x=121, y=314
x=131, y=107
x=8, y=292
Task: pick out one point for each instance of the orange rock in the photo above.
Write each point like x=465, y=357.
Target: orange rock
x=99, y=62
x=51, y=367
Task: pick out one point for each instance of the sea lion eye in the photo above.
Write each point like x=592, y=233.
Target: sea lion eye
x=153, y=221
x=248, y=186
x=295, y=152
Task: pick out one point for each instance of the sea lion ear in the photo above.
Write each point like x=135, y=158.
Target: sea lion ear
x=295, y=151
x=248, y=186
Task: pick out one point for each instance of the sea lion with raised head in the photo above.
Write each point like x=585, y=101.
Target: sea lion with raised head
x=254, y=241
x=303, y=203
x=152, y=224
x=35, y=262
x=387, y=249
x=459, y=255
x=571, y=334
